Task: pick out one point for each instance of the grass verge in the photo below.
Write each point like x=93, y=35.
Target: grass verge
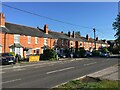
x=89, y=83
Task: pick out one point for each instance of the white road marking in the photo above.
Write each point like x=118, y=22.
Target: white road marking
x=2, y=72
x=90, y=63
x=10, y=81
x=59, y=70
x=18, y=69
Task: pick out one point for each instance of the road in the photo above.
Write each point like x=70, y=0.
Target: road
x=50, y=75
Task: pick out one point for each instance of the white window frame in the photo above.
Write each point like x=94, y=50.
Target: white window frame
x=18, y=38
x=36, y=40
x=56, y=41
x=29, y=39
x=45, y=41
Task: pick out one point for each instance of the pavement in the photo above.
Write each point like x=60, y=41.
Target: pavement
x=110, y=73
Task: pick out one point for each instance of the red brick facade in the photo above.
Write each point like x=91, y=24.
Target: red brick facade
x=6, y=40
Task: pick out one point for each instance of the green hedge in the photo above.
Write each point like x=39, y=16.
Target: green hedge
x=49, y=54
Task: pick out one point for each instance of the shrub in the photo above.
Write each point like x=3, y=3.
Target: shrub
x=81, y=52
x=96, y=53
x=49, y=54
x=104, y=50
x=12, y=53
x=41, y=57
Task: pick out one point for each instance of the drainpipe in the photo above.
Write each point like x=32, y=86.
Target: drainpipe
x=50, y=43
x=5, y=42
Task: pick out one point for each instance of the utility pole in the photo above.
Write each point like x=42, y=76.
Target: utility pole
x=94, y=38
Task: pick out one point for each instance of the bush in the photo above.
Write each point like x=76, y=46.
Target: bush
x=96, y=53
x=104, y=50
x=49, y=54
x=12, y=53
x=41, y=57
x=81, y=52
x=114, y=50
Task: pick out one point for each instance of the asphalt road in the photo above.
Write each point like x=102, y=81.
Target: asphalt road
x=50, y=75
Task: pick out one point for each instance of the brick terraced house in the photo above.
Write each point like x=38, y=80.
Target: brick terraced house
x=25, y=40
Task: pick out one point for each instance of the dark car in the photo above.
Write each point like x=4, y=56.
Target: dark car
x=62, y=55
x=69, y=55
x=88, y=54
x=104, y=54
x=8, y=58
x=76, y=55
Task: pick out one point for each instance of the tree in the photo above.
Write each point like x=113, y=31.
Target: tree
x=116, y=26
x=77, y=33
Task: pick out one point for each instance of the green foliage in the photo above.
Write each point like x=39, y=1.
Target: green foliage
x=12, y=53
x=81, y=52
x=66, y=51
x=116, y=26
x=77, y=33
x=41, y=57
x=90, y=85
x=104, y=50
x=49, y=54
x=96, y=53
x=114, y=50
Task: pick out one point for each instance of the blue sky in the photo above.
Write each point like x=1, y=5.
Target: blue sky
x=99, y=15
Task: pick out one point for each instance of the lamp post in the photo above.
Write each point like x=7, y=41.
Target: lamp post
x=94, y=38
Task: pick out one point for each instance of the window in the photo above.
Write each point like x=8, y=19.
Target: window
x=16, y=38
x=56, y=41
x=80, y=44
x=29, y=52
x=36, y=40
x=29, y=39
x=45, y=41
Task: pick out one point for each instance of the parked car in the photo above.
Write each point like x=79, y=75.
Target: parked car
x=76, y=55
x=62, y=55
x=104, y=54
x=69, y=55
x=88, y=54
x=7, y=58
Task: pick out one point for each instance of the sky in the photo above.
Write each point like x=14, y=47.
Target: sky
x=99, y=15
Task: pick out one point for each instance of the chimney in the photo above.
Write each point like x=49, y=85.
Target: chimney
x=46, y=29
x=69, y=34
x=61, y=31
x=96, y=38
x=87, y=37
x=73, y=34
x=2, y=20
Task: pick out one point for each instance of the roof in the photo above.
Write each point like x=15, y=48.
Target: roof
x=24, y=30
x=57, y=35
x=16, y=45
x=79, y=38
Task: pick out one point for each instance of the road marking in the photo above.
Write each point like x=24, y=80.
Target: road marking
x=10, y=81
x=60, y=70
x=90, y=63
x=19, y=69
x=2, y=72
